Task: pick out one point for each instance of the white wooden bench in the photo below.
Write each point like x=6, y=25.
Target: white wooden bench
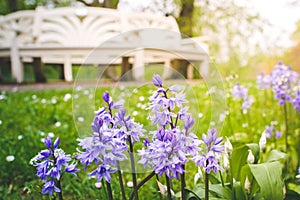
x=92, y=36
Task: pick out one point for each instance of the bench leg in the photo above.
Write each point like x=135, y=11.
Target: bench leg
x=17, y=69
x=138, y=69
x=38, y=69
x=126, y=74
x=167, y=73
x=68, y=70
x=204, y=68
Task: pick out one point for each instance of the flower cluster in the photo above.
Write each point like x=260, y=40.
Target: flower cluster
x=107, y=144
x=296, y=100
x=51, y=164
x=240, y=92
x=208, y=159
x=281, y=79
x=171, y=145
x=270, y=131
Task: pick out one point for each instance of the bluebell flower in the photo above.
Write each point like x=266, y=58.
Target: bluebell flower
x=208, y=158
x=51, y=164
x=170, y=146
x=296, y=99
x=270, y=131
x=241, y=93
x=103, y=171
x=49, y=187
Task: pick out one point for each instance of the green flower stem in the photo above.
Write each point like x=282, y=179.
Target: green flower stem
x=141, y=184
x=183, y=185
x=286, y=128
x=109, y=191
x=133, y=169
x=206, y=186
x=60, y=196
x=221, y=177
x=169, y=194
x=121, y=182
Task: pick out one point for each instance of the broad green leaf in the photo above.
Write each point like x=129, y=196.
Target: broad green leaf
x=238, y=193
x=268, y=178
x=221, y=191
x=254, y=187
x=239, y=158
x=276, y=155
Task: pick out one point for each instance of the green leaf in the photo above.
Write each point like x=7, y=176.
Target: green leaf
x=254, y=187
x=239, y=158
x=238, y=193
x=267, y=176
x=221, y=191
x=276, y=155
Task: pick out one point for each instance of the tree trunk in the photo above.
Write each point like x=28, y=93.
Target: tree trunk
x=185, y=19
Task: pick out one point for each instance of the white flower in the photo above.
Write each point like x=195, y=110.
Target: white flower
x=250, y=158
x=67, y=97
x=57, y=124
x=10, y=158
x=198, y=176
x=53, y=100
x=33, y=96
x=222, y=117
x=135, y=113
x=262, y=141
x=0, y=121
x=80, y=119
x=42, y=133
x=226, y=162
x=98, y=185
x=142, y=98
x=20, y=137
x=212, y=123
x=51, y=134
x=86, y=92
x=200, y=115
x=43, y=101
x=129, y=184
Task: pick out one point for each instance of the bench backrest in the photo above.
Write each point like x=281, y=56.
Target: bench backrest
x=17, y=26
x=90, y=26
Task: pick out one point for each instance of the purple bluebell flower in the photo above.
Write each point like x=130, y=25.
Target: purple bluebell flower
x=270, y=132
x=241, y=93
x=103, y=171
x=170, y=147
x=51, y=164
x=105, y=97
x=264, y=81
x=296, y=99
x=157, y=80
x=208, y=159
x=49, y=187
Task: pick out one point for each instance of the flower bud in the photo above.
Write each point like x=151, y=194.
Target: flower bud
x=262, y=141
x=228, y=146
x=247, y=185
x=157, y=80
x=250, y=158
x=105, y=96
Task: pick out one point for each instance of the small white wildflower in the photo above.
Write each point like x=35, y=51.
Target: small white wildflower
x=245, y=111
x=67, y=97
x=51, y=134
x=200, y=115
x=212, y=123
x=2, y=97
x=33, y=96
x=42, y=133
x=98, y=185
x=135, y=90
x=135, y=113
x=43, y=101
x=10, y=158
x=262, y=141
x=43, y=140
x=244, y=125
x=142, y=98
x=222, y=117
x=129, y=184
x=86, y=92
x=57, y=124
x=80, y=119
x=247, y=185
x=250, y=158
x=139, y=105
x=227, y=112
x=20, y=137
x=0, y=121
x=53, y=100
x=78, y=88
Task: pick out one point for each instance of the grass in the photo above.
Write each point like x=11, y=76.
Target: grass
x=27, y=117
